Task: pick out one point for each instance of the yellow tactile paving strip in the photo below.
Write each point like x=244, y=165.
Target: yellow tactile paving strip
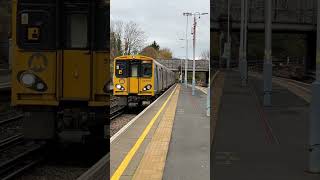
x=151, y=166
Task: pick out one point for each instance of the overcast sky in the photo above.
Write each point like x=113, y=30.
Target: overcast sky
x=162, y=20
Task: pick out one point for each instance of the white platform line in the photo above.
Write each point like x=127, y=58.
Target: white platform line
x=124, y=128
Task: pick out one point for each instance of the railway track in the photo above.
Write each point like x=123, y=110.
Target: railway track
x=10, y=141
x=19, y=158
x=7, y=117
x=116, y=111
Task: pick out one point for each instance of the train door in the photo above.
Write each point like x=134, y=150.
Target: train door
x=160, y=80
x=76, y=60
x=134, y=77
x=156, y=78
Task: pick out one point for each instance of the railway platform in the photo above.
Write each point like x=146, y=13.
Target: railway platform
x=168, y=140
x=256, y=142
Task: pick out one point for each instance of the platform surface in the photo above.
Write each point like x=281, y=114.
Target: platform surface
x=121, y=146
x=177, y=145
x=189, y=151
x=254, y=142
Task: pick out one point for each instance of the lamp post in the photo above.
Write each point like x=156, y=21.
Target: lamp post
x=208, y=92
x=185, y=74
x=195, y=15
x=187, y=14
x=243, y=43
x=181, y=57
x=228, y=36
x=267, y=66
x=181, y=68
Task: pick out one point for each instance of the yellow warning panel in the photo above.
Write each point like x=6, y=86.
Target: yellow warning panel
x=33, y=33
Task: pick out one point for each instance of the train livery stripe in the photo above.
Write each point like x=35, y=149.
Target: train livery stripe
x=124, y=164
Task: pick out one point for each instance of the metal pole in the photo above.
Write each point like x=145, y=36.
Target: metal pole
x=245, y=41
x=181, y=69
x=208, y=92
x=267, y=66
x=194, y=56
x=228, y=37
x=186, y=61
x=314, y=152
x=241, y=40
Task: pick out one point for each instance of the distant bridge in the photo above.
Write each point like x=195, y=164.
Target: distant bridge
x=201, y=71
x=294, y=17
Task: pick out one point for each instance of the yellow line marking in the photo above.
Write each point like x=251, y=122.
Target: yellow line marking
x=125, y=162
x=154, y=158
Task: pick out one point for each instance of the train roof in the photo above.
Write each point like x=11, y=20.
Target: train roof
x=137, y=57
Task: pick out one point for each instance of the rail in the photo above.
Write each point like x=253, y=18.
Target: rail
x=20, y=162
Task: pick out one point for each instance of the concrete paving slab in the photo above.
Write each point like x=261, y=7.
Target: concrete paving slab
x=253, y=142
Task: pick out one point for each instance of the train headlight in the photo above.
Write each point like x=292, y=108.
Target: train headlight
x=118, y=86
x=31, y=81
x=40, y=86
x=147, y=87
x=28, y=79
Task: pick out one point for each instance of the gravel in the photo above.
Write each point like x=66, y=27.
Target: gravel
x=48, y=172
x=120, y=121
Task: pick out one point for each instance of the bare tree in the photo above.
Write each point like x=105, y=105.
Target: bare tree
x=205, y=54
x=116, y=35
x=134, y=38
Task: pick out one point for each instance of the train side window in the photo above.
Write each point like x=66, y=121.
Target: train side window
x=77, y=33
x=121, y=69
x=146, y=69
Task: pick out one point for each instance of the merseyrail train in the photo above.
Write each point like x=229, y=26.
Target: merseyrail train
x=60, y=69
x=140, y=76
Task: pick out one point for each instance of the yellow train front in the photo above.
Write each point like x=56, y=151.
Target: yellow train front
x=60, y=70
x=141, y=77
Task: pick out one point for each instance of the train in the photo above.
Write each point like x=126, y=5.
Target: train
x=141, y=77
x=4, y=31
x=61, y=69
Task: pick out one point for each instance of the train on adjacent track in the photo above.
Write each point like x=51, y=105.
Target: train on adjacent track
x=141, y=77
x=60, y=68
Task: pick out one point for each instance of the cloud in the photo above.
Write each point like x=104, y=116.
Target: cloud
x=162, y=20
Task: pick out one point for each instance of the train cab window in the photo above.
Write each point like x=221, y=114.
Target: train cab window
x=146, y=69
x=121, y=69
x=77, y=33
x=134, y=69
x=35, y=27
